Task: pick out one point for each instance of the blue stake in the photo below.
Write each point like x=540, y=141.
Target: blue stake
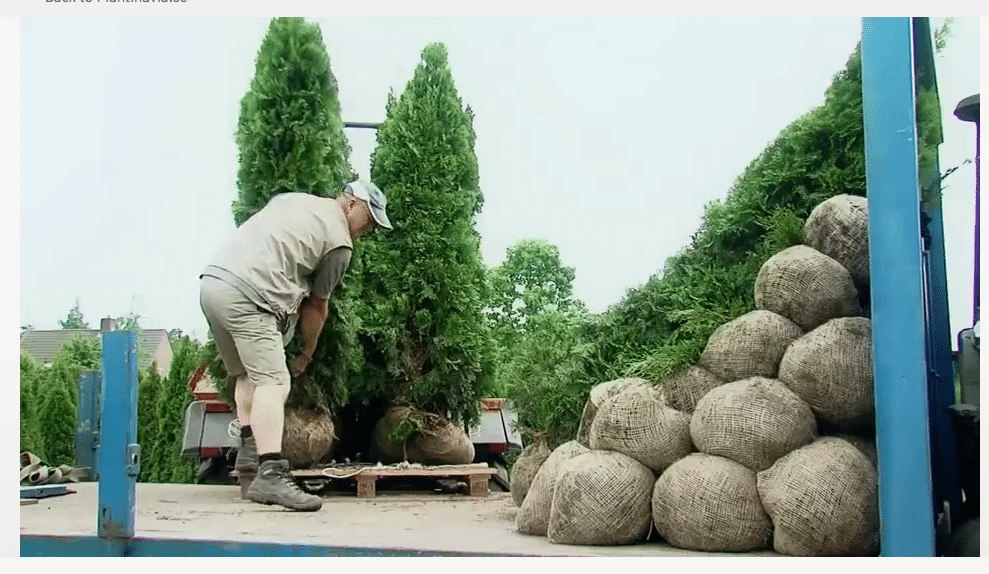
x=900, y=365
x=119, y=455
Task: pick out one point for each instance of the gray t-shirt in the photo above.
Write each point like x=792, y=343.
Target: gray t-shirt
x=298, y=244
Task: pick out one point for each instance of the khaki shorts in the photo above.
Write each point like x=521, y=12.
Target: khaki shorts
x=247, y=337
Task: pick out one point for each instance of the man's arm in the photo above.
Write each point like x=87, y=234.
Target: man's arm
x=312, y=315
x=312, y=311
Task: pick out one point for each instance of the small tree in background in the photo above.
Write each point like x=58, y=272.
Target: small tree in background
x=149, y=391
x=290, y=137
x=57, y=413
x=165, y=460
x=31, y=437
x=423, y=331
x=532, y=280
x=74, y=320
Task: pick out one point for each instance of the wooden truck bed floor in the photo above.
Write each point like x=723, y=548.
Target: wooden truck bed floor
x=402, y=520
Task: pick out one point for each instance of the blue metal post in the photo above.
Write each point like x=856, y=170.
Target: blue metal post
x=88, y=421
x=941, y=372
x=900, y=365
x=119, y=457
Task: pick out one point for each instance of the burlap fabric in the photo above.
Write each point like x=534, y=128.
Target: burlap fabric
x=752, y=422
x=438, y=441
x=390, y=451
x=684, y=388
x=307, y=438
x=749, y=346
x=533, y=516
x=525, y=468
x=839, y=228
x=710, y=503
x=823, y=501
x=866, y=445
x=830, y=368
x=601, y=499
x=805, y=286
x=600, y=393
x=638, y=423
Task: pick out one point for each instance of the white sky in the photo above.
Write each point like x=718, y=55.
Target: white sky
x=605, y=137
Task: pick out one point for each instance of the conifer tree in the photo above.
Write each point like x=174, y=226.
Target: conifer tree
x=424, y=335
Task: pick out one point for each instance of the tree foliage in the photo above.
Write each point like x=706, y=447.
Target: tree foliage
x=164, y=463
x=148, y=392
x=290, y=137
x=74, y=320
x=31, y=436
x=57, y=413
x=423, y=333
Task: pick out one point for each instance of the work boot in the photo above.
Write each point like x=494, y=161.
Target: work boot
x=247, y=457
x=274, y=485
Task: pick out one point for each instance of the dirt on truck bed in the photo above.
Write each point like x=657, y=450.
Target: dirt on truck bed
x=398, y=520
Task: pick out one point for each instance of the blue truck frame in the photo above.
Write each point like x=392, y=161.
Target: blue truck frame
x=914, y=378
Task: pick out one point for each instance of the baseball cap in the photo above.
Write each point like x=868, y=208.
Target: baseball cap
x=374, y=197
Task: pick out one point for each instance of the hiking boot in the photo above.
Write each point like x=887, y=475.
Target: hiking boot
x=274, y=485
x=247, y=457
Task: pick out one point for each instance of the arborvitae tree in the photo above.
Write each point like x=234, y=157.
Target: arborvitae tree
x=57, y=413
x=149, y=390
x=290, y=137
x=165, y=460
x=31, y=438
x=423, y=331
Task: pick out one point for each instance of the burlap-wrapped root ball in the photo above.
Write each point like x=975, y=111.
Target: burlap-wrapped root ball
x=525, y=468
x=685, y=387
x=598, y=395
x=823, y=501
x=602, y=499
x=533, y=516
x=830, y=368
x=307, y=438
x=839, y=228
x=805, y=286
x=437, y=440
x=638, y=423
x=865, y=444
x=710, y=503
x=749, y=346
x=753, y=422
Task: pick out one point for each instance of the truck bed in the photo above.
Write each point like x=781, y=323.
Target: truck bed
x=392, y=520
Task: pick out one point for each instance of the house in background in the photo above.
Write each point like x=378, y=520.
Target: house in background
x=153, y=345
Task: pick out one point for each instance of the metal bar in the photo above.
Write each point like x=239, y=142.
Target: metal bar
x=975, y=293
x=900, y=369
x=87, y=420
x=91, y=546
x=119, y=457
x=366, y=125
x=941, y=372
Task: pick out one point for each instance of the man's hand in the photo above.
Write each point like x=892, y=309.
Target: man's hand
x=299, y=365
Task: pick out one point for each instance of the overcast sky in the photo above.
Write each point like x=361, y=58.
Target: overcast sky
x=604, y=137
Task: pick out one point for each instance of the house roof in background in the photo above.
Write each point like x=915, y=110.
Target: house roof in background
x=45, y=345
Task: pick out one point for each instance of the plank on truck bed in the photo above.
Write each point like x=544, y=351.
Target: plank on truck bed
x=477, y=475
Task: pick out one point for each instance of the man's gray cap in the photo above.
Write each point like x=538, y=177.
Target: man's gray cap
x=375, y=200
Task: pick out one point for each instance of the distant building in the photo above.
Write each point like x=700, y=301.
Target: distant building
x=153, y=344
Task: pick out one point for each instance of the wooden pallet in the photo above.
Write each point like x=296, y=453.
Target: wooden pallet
x=366, y=476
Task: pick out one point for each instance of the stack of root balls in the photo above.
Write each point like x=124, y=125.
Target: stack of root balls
x=766, y=443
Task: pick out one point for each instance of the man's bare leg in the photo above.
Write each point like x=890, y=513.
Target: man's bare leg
x=244, y=397
x=247, y=454
x=268, y=417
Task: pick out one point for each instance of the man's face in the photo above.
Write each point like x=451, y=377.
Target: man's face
x=361, y=222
